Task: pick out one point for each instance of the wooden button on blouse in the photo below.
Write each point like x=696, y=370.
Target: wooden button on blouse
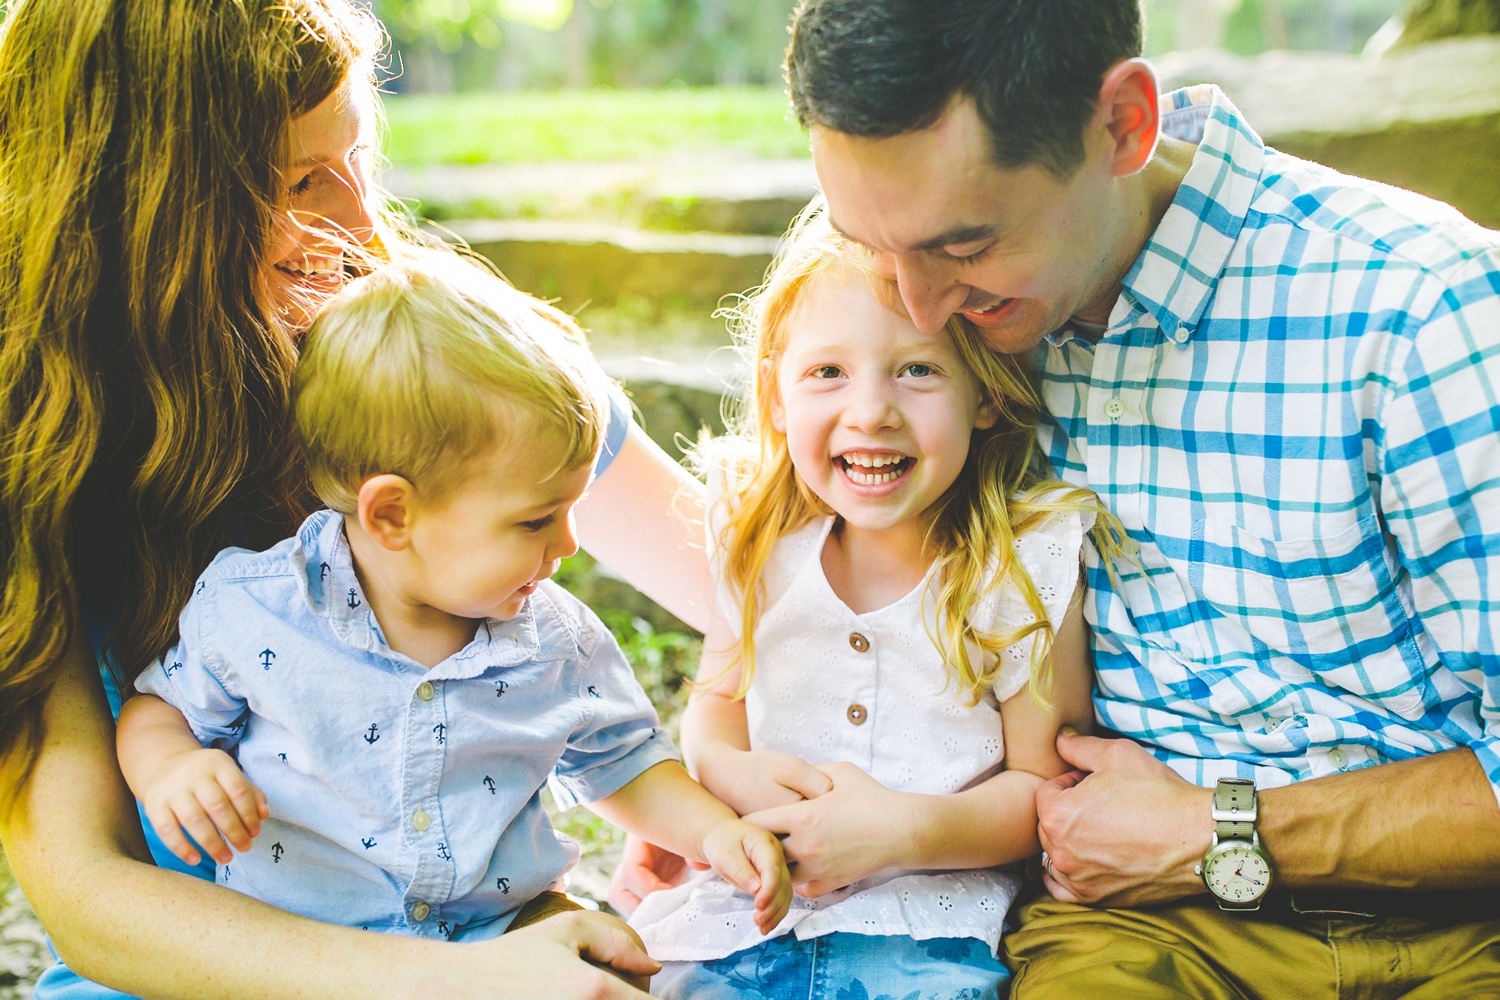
x=857, y=714
x=859, y=642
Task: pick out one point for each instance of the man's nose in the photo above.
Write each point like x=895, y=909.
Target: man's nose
x=929, y=295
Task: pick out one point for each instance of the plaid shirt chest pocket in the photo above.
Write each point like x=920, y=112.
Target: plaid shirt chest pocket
x=1327, y=600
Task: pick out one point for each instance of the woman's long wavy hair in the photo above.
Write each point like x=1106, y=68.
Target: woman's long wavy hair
x=1002, y=491
x=144, y=368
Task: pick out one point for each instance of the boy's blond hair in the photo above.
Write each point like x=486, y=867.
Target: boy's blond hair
x=429, y=362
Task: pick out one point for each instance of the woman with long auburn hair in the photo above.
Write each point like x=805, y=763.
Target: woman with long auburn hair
x=181, y=182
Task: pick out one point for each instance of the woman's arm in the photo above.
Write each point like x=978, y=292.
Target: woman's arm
x=643, y=518
x=75, y=845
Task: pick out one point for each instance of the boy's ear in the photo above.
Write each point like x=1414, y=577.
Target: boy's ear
x=386, y=506
x=1130, y=110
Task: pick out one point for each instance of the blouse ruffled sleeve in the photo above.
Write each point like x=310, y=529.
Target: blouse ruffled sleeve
x=1050, y=553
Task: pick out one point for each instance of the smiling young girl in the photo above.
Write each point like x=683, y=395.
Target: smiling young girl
x=896, y=591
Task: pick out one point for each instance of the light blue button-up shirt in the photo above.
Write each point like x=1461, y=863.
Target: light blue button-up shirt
x=402, y=799
x=1295, y=412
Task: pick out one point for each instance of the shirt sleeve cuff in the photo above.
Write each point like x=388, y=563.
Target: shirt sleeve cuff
x=603, y=780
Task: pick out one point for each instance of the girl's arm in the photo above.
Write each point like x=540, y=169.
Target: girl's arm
x=644, y=520
x=861, y=827
x=716, y=738
x=74, y=843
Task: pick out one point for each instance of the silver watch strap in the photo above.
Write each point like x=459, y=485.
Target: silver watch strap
x=1235, y=809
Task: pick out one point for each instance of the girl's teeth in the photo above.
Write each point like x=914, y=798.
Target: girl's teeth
x=872, y=478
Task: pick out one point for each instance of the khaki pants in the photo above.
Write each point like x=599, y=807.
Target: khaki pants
x=1423, y=948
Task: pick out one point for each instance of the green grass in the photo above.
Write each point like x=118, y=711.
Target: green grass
x=588, y=125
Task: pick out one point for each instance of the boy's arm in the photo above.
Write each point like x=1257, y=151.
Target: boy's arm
x=181, y=784
x=669, y=808
x=862, y=827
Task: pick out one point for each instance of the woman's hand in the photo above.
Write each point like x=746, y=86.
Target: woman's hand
x=848, y=833
x=752, y=780
x=546, y=959
x=644, y=868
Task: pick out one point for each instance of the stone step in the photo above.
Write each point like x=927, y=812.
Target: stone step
x=583, y=263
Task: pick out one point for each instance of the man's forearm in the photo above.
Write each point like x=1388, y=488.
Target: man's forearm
x=1429, y=823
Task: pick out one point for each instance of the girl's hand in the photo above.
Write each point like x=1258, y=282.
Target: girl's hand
x=206, y=793
x=750, y=859
x=644, y=868
x=752, y=780
x=851, y=832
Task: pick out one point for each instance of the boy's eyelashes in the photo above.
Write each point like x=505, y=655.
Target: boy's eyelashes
x=541, y=522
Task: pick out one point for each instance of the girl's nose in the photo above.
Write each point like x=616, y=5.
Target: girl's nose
x=872, y=407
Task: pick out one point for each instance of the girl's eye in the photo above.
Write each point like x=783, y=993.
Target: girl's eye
x=540, y=523
x=917, y=369
x=301, y=186
x=826, y=371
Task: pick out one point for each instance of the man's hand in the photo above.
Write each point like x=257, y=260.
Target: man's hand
x=1123, y=829
x=751, y=780
x=749, y=858
x=842, y=836
x=204, y=792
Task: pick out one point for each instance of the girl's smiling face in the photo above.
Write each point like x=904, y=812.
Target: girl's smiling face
x=877, y=415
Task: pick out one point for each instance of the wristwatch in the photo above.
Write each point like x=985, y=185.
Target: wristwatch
x=1235, y=869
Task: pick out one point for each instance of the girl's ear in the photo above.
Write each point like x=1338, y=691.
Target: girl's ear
x=386, y=508
x=987, y=413
x=773, y=393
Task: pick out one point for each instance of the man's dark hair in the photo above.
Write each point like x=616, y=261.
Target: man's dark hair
x=878, y=68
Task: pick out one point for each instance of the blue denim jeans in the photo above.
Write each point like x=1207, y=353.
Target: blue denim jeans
x=841, y=967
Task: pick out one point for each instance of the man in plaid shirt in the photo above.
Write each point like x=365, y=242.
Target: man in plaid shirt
x=1285, y=382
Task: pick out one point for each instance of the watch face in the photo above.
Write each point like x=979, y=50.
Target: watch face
x=1237, y=874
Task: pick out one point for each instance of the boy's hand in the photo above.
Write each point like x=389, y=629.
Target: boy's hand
x=204, y=792
x=750, y=859
x=751, y=780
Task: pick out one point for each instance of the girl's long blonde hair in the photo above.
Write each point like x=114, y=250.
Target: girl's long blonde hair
x=1002, y=491
x=144, y=369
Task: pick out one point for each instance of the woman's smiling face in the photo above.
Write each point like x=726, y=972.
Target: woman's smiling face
x=325, y=199
x=877, y=415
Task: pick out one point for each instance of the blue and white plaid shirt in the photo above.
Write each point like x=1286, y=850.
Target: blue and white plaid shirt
x=1295, y=412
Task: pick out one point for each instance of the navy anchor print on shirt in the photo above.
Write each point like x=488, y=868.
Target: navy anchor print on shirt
x=440, y=731
x=353, y=599
x=500, y=687
x=489, y=783
x=267, y=657
x=323, y=570
x=372, y=734
x=503, y=884
x=277, y=851
x=444, y=853
x=368, y=842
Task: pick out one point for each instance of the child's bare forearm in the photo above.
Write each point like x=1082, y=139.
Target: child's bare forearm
x=149, y=733
x=993, y=823
x=712, y=723
x=667, y=807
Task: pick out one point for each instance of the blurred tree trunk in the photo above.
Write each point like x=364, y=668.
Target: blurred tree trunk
x=1428, y=20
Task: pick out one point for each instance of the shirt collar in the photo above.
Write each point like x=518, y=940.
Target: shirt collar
x=1176, y=274
x=332, y=590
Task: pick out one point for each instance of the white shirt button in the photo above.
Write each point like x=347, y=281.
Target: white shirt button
x=421, y=820
x=1337, y=757
x=424, y=690
x=1115, y=408
x=420, y=911
x=1182, y=334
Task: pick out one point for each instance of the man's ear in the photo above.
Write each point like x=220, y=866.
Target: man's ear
x=768, y=385
x=1129, y=108
x=386, y=508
